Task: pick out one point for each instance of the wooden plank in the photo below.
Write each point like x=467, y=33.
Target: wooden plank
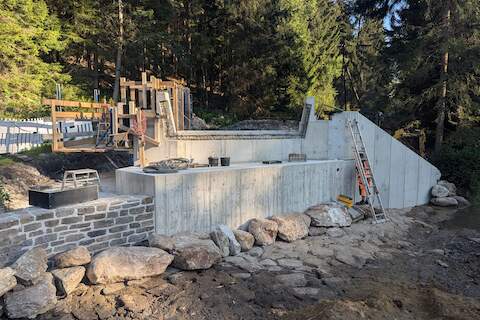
x=123, y=90
x=77, y=115
x=143, y=103
x=75, y=104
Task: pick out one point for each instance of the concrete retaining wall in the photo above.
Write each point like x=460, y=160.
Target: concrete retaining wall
x=120, y=220
x=404, y=178
x=199, y=199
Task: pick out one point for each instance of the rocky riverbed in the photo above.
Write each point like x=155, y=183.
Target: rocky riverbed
x=414, y=267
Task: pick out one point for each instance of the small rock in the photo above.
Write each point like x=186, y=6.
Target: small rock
x=316, y=231
x=442, y=264
x=195, y=254
x=437, y=251
x=161, y=242
x=355, y=214
x=290, y=263
x=292, y=279
x=7, y=280
x=329, y=215
x=335, y=232
x=292, y=227
x=68, y=279
x=226, y=239
x=32, y=301
x=241, y=275
x=452, y=189
x=264, y=231
x=268, y=262
x=250, y=266
x=72, y=258
x=306, y=291
x=127, y=263
x=245, y=239
x=112, y=288
x=31, y=266
x=354, y=257
x=462, y=202
x=255, y=252
x=444, y=202
x=439, y=191
x=135, y=302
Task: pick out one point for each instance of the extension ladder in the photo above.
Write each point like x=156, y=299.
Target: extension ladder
x=365, y=171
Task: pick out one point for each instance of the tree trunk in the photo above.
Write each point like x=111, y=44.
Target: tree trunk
x=118, y=62
x=442, y=103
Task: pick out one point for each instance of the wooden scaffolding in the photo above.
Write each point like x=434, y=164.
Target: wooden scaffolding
x=135, y=121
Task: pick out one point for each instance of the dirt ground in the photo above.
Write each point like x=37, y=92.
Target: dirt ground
x=425, y=264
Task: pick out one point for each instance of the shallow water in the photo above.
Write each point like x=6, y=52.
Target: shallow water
x=468, y=218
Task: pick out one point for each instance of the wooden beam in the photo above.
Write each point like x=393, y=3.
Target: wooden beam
x=75, y=104
x=77, y=115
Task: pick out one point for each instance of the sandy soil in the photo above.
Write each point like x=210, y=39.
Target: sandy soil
x=422, y=265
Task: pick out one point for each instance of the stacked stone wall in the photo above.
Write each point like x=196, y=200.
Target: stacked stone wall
x=108, y=222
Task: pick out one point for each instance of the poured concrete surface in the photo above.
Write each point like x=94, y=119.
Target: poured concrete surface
x=198, y=199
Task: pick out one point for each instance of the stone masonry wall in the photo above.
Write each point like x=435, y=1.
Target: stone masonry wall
x=108, y=222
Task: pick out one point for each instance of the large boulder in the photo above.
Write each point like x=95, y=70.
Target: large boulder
x=31, y=266
x=452, y=189
x=161, y=241
x=264, y=231
x=221, y=240
x=444, y=202
x=462, y=202
x=192, y=253
x=32, y=301
x=245, y=239
x=223, y=231
x=329, y=215
x=68, y=279
x=292, y=227
x=78, y=256
x=439, y=191
x=119, y=264
x=7, y=280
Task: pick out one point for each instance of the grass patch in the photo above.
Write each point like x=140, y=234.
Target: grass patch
x=36, y=151
x=5, y=161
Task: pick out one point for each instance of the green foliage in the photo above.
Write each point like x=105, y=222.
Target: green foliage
x=5, y=161
x=459, y=160
x=38, y=150
x=27, y=33
x=4, y=196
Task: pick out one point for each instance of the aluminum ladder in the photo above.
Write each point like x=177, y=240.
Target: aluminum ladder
x=362, y=164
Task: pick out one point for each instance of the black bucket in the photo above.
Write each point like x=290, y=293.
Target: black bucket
x=225, y=161
x=212, y=162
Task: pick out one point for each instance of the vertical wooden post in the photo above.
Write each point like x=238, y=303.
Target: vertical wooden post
x=143, y=103
x=175, y=104
x=54, y=127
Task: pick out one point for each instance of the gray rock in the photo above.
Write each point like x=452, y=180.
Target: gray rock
x=130, y=263
x=7, y=280
x=290, y=263
x=335, y=232
x=351, y=256
x=160, y=241
x=192, y=253
x=233, y=245
x=68, y=279
x=439, y=191
x=244, y=264
x=32, y=301
x=241, y=275
x=31, y=266
x=306, y=291
x=462, y=202
x=292, y=227
x=221, y=240
x=356, y=215
x=444, y=202
x=72, y=258
x=292, y=279
x=452, y=189
x=245, y=239
x=264, y=231
x=316, y=231
x=329, y=215
x=255, y=252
